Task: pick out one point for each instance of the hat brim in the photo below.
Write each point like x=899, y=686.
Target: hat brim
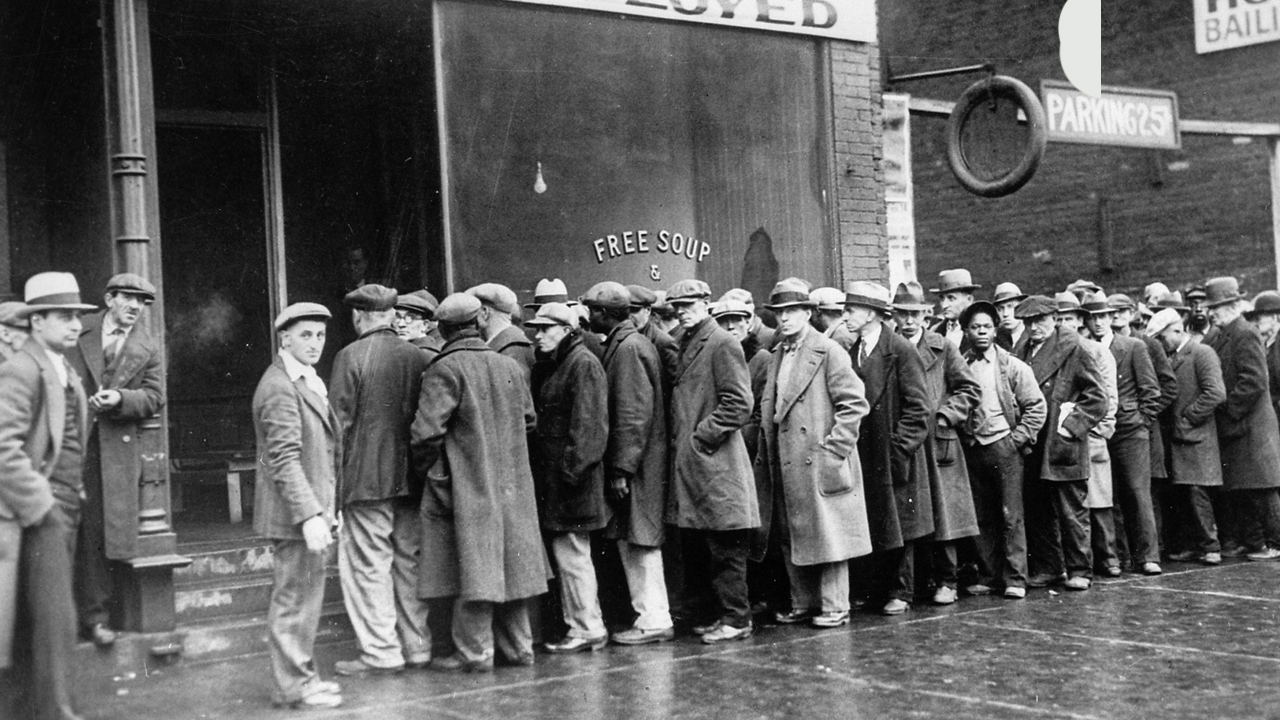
x=868, y=303
x=911, y=307
x=811, y=305
x=544, y=322
x=1224, y=301
x=958, y=288
x=30, y=310
x=685, y=300
x=1012, y=298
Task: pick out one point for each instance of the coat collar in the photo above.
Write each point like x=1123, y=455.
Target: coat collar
x=314, y=401
x=467, y=340
x=874, y=370
x=508, y=336
x=931, y=347
x=1057, y=348
x=693, y=342
x=810, y=355
x=625, y=329
x=56, y=395
x=128, y=362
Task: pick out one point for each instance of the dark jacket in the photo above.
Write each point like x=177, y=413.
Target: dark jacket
x=1193, y=431
x=758, y=368
x=1137, y=387
x=428, y=344
x=953, y=394
x=1168, y=394
x=513, y=343
x=668, y=354
x=573, y=430
x=374, y=394
x=1066, y=373
x=1248, y=438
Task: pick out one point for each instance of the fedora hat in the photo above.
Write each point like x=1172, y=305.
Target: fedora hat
x=1266, y=302
x=867, y=294
x=548, y=291
x=1067, y=302
x=1222, y=290
x=1095, y=303
x=51, y=291
x=1007, y=292
x=1171, y=301
x=828, y=298
x=791, y=292
x=910, y=297
x=954, y=280
x=1120, y=301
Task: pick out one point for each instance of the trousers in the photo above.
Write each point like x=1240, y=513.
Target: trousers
x=478, y=625
x=647, y=584
x=995, y=477
x=297, y=595
x=578, y=590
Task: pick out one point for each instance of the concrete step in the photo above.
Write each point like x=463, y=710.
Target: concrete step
x=235, y=595
x=235, y=559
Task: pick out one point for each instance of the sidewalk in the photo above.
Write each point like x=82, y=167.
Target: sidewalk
x=1193, y=643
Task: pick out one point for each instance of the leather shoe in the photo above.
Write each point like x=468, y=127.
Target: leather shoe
x=1013, y=592
x=944, y=596
x=577, y=644
x=894, y=607
x=640, y=636
x=1112, y=571
x=1150, y=568
x=792, y=617
x=1266, y=553
x=1040, y=580
x=977, y=589
x=1211, y=559
x=832, y=619
x=1234, y=551
x=724, y=633
x=706, y=628
x=360, y=667
x=456, y=663
x=1078, y=583
x=418, y=662
x=101, y=635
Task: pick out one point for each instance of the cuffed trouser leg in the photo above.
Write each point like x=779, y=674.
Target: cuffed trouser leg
x=578, y=590
x=899, y=572
x=513, y=632
x=411, y=610
x=647, y=585
x=946, y=564
x=996, y=478
x=473, y=630
x=1201, y=529
x=728, y=550
x=1103, y=537
x=1073, y=525
x=297, y=595
x=366, y=554
x=1131, y=475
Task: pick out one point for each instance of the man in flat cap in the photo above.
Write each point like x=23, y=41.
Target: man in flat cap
x=1197, y=322
x=294, y=502
x=735, y=317
x=415, y=321
x=480, y=539
x=119, y=362
x=891, y=444
x=1265, y=316
x=635, y=461
x=955, y=293
x=1057, y=470
x=712, y=485
x=764, y=337
x=13, y=331
x=642, y=316
x=43, y=430
x=1248, y=438
x=374, y=392
x=498, y=307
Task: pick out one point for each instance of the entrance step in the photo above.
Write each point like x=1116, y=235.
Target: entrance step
x=235, y=596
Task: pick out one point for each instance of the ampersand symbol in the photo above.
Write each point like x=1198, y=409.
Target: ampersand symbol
x=654, y=274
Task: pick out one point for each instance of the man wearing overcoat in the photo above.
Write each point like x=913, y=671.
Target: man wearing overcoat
x=891, y=444
x=642, y=302
x=13, y=331
x=480, y=539
x=499, y=306
x=374, y=394
x=828, y=315
x=119, y=362
x=813, y=404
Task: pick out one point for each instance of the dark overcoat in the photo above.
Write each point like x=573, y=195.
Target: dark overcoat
x=480, y=536
x=809, y=447
x=637, y=435
x=428, y=344
x=891, y=442
x=117, y=459
x=1066, y=373
x=1138, y=393
x=758, y=367
x=572, y=406
x=712, y=482
x=298, y=455
x=513, y=343
x=668, y=354
x=953, y=394
x=374, y=394
x=1193, y=430
x=1273, y=374
x=1248, y=439
x=1168, y=381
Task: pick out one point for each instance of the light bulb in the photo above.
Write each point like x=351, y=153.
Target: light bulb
x=539, y=185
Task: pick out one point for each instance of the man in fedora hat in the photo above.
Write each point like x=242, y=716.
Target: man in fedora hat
x=294, y=506
x=119, y=362
x=828, y=315
x=1005, y=300
x=1248, y=437
x=953, y=394
x=891, y=444
x=43, y=431
x=808, y=469
x=374, y=391
x=498, y=307
x=13, y=331
x=955, y=293
x=415, y=321
x=1265, y=316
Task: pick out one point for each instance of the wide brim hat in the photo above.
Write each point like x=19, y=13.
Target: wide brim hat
x=1096, y=304
x=1007, y=292
x=1222, y=290
x=867, y=294
x=51, y=291
x=958, y=280
x=1171, y=301
x=1266, y=302
x=1068, y=302
x=909, y=297
x=979, y=306
x=551, y=290
x=791, y=292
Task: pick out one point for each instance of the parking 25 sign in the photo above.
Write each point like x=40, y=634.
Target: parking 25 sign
x=1127, y=117
x=1226, y=24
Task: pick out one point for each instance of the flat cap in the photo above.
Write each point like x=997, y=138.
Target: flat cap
x=1161, y=321
x=741, y=295
x=641, y=296
x=132, y=284
x=499, y=296
x=11, y=314
x=687, y=291
x=301, y=311
x=790, y=292
x=1197, y=292
x=1120, y=301
x=828, y=298
x=727, y=308
x=458, y=309
x=607, y=294
x=419, y=301
x=554, y=313
x=1088, y=285
x=1035, y=306
x=372, y=297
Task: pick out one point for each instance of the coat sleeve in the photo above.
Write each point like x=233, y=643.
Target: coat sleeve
x=849, y=398
x=1252, y=381
x=145, y=400
x=1089, y=392
x=1165, y=375
x=441, y=392
x=344, y=390
x=22, y=488
x=631, y=394
x=1210, y=390
x=962, y=390
x=588, y=420
x=732, y=383
x=916, y=409
x=281, y=422
x=1032, y=408
x=1150, y=397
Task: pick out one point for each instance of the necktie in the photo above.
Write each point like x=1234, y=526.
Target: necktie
x=113, y=346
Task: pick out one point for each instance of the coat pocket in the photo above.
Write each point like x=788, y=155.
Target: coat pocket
x=1184, y=433
x=1063, y=452
x=835, y=478
x=946, y=448
x=1232, y=429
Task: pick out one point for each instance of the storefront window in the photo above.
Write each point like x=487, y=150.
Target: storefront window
x=667, y=151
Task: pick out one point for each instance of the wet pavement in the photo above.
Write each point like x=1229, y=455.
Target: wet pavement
x=1193, y=643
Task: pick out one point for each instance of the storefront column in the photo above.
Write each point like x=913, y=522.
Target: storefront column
x=145, y=583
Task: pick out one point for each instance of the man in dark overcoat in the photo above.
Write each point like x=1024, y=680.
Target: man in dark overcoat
x=43, y=430
x=642, y=302
x=1194, y=461
x=955, y=294
x=1265, y=315
x=1057, y=471
x=480, y=538
x=635, y=461
x=294, y=501
x=712, y=485
x=119, y=362
x=1248, y=438
x=374, y=394
x=573, y=430
x=813, y=404
x=499, y=306
x=953, y=394
x=891, y=444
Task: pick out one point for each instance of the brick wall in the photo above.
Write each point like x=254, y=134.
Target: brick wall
x=1178, y=217
x=859, y=174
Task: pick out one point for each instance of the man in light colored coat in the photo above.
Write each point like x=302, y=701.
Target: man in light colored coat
x=294, y=504
x=812, y=406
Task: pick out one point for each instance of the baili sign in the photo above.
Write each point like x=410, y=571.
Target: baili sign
x=836, y=19
x=1226, y=24
x=1125, y=117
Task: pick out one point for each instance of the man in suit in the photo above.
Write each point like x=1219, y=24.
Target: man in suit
x=828, y=316
x=1005, y=300
x=1194, y=461
x=13, y=331
x=119, y=363
x=1248, y=438
x=294, y=501
x=891, y=444
x=712, y=487
x=955, y=294
x=43, y=431
x=1057, y=471
x=498, y=308
x=374, y=394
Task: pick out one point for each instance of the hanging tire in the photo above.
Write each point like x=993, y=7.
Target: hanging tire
x=1000, y=87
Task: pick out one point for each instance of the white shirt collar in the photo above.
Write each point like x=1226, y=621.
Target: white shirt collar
x=295, y=370
x=871, y=336
x=1106, y=341
x=59, y=365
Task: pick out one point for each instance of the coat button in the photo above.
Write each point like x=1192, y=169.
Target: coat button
x=125, y=438
x=808, y=461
